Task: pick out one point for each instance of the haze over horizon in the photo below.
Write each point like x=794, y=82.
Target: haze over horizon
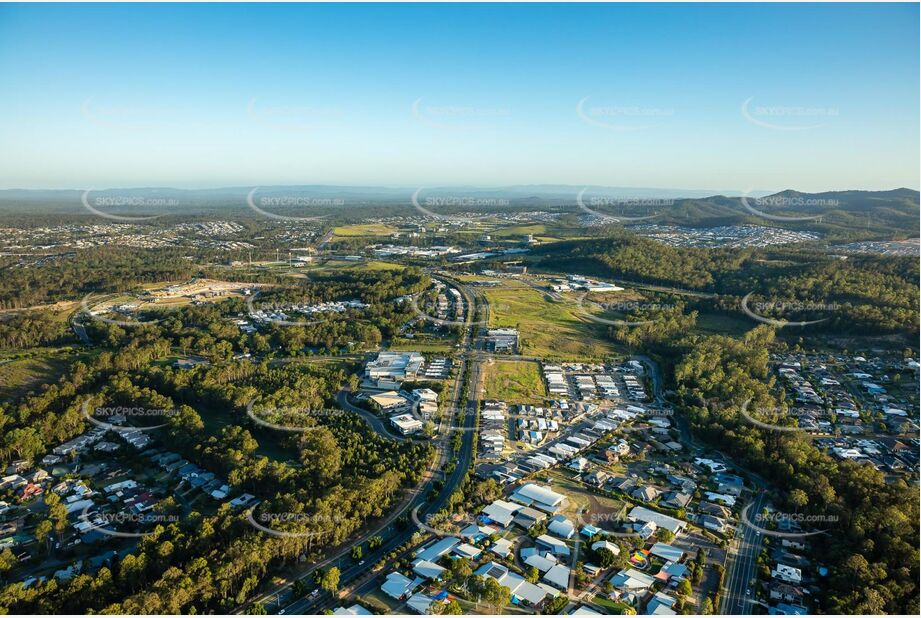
x=697, y=98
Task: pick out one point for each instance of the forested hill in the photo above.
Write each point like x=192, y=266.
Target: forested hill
x=837, y=215
x=872, y=293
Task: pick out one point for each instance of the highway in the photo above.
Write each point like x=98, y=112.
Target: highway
x=282, y=600
x=742, y=564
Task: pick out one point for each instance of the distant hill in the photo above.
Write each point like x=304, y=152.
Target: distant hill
x=838, y=215
x=835, y=214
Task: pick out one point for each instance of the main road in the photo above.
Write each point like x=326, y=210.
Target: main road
x=394, y=530
x=742, y=563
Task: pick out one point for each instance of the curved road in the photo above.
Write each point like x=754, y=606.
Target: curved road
x=282, y=600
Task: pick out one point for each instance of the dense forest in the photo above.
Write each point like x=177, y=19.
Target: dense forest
x=861, y=294
x=341, y=476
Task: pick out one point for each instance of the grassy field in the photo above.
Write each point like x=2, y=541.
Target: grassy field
x=514, y=382
x=549, y=328
x=611, y=607
x=431, y=346
x=724, y=324
x=19, y=376
x=593, y=505
x=366, y=229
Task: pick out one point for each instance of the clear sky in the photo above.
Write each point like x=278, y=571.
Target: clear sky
x=811, y=97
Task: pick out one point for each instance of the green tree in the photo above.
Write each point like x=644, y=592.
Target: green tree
x=329, y=581
x=496, y=595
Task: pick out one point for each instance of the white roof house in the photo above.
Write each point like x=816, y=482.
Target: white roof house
x=354, y=610
x=538, y=496
x=631, y=580
x=428, y=570
x=502, y=548
x=437, y=549
x=787, y=573
x=398, y=585
x=501, y=512
x=611, y=547
x=389, y=400
x=642, y=514
x=561, y=527
x=420, y=603
x=558, y=576
x=520, y=587
x=541, y=563
x=554, y=545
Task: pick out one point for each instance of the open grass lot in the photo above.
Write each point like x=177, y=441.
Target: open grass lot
x=333, y=265
x=430, y=346
x=724, y=324
x=366, y=229
x=611, y=607
x=549, y=328
x=20, y=375
x=595, y=508
x=514, y=382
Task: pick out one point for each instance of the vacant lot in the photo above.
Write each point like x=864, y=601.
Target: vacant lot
x=17, y=377
x=549, y=328
x=514, y=382
x=367, y=229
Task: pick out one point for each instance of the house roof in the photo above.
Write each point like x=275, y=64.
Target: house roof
x=466, y=550
x=533, y=494
x=419, y=603
x=438, y=549
x=428, y=570
x=540, y=563
x=397, y=585
x=667, y=552
x=639, y=513
x=631, y=579
x=502, y=547
x=556, y=545
x=558, y=576
x=561, y=526
x=501, y=512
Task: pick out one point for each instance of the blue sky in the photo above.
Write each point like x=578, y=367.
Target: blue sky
x=491, y=95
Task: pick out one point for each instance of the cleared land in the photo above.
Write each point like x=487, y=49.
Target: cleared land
x=514, y=382
x=19, y=376
x=549, y=328
x=366, y=229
